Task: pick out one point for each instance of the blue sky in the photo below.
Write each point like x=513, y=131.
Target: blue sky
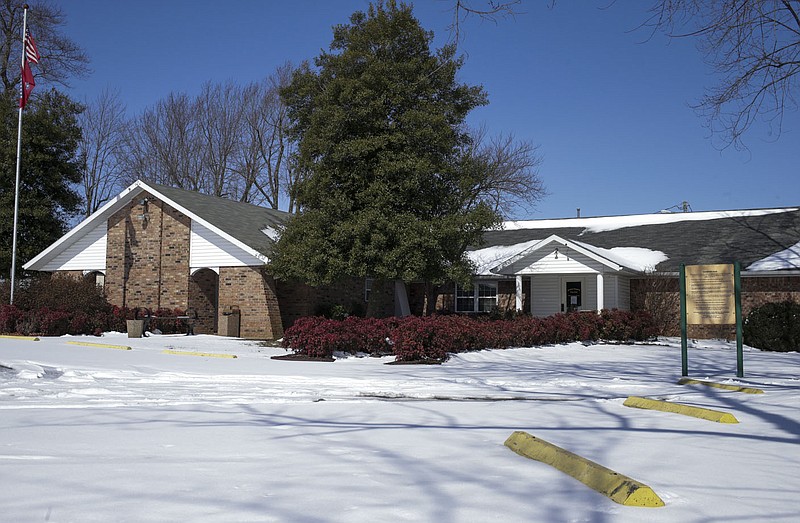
x=608, y=106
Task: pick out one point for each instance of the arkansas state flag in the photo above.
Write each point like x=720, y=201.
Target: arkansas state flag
x=31, y=55
x=27, y=84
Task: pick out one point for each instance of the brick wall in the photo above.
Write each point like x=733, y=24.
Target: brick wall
x=298, y=300
x=147, y=260
x=756, y=291
x=254, y=292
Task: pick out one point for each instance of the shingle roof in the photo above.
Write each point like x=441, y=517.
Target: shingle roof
x=703, y=238
x=243, y=221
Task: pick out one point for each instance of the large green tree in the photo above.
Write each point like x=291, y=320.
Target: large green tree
x=50, y=169
x=388, y=192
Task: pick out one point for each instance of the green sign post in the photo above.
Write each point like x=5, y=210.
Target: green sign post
x=711, y=295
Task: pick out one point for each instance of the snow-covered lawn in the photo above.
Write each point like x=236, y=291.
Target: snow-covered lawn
x=98, y=434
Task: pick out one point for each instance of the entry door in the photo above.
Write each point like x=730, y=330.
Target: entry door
x=572, y=295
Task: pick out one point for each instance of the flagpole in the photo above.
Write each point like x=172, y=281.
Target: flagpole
x=19, y=154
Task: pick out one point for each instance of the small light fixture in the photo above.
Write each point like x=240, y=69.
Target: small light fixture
x=556, y=253
x=144, y=216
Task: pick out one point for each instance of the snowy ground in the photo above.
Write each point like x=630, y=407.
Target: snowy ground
x=97, y=434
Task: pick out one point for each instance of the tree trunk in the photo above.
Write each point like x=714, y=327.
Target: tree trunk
x=431, y=295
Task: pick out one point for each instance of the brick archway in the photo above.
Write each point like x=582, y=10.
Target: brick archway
x=204, y=299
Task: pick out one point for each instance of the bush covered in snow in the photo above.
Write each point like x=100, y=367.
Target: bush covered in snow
x=774, y=326
x=433, y=338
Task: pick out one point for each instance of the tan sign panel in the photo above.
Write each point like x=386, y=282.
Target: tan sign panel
x=710, y=295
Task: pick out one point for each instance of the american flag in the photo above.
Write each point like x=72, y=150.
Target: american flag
x=31, y=56
x=31, y=53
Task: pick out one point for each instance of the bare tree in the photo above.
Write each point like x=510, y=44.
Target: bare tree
x=491, y=10
x=266, y=149
x=228, y=141
x=753, y=45
x=103, y=126
x=162, y=145
x=218, y=117
x=507, y=176
x=61, y=57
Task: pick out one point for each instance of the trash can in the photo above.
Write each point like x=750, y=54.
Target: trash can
x=135, y=328
x=231, y=320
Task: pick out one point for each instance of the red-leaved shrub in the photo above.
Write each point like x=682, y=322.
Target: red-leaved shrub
x=433, y=338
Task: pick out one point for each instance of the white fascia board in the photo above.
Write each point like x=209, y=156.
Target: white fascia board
x=206, y=224
x=521, y=254
x=109, y=208
x=566, y=243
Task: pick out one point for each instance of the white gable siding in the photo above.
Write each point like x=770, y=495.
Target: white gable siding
x=544, y=262
x=208, y=249
x=546, y=294
x=88, y=253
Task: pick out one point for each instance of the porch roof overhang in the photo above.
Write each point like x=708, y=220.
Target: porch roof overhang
x=610, y=261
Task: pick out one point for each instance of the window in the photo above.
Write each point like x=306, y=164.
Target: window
x=465, y=299
x=480, y=297
x=487, y=296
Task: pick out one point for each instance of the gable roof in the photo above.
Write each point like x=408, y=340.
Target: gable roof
x=245, y=225
x=240, y=221
x=747, y=236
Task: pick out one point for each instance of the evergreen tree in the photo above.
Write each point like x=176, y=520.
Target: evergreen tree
x=380, y=123
x=49, y=170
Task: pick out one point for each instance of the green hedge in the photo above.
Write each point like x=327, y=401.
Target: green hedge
x=774, y=327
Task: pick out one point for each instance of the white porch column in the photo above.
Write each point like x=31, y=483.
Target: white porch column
x=599, y=292
x=519, y=293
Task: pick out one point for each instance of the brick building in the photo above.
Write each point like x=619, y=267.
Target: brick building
x=631, y=262
x=159, y=247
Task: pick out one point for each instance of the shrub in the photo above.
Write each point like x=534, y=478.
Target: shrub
x=319, y=337
x=774, y=327
x=10, y=315
x=425, y=339
x=626, y=325
x=433, y=338
x=57, y=292
x=164, y=320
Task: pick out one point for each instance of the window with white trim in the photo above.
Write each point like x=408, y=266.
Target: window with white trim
x=480, y=297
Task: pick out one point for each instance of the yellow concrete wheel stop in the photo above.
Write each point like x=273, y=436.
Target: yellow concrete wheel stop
x=619, y=488
x=735, y=388
x=202, y=354
x=678, y=408
x=103, y=345
x=23, y=338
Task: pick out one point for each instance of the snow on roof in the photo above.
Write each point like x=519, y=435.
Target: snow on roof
x=636, y=258
x=783, y=260
x=489, y=257
x=271, y=232
x=610, y=223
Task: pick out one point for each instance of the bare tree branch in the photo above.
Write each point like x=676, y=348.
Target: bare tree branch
x=490, y=10
x=61, y=57
x=507, y=176
x=755, y=48
x=103, y=128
